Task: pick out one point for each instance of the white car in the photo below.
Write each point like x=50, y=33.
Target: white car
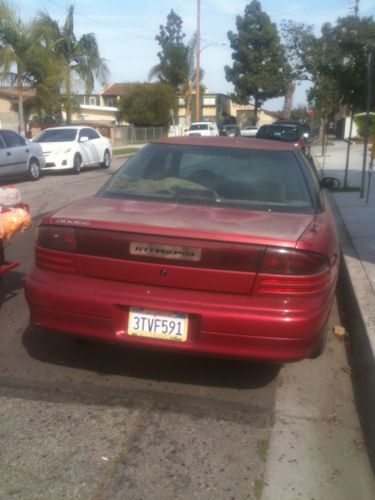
x=74, y=147
x=249, y=131
x=203, y=129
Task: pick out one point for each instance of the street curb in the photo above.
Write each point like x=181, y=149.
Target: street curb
x=356, y=300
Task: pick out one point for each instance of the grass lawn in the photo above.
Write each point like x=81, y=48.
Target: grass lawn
x=124, y=151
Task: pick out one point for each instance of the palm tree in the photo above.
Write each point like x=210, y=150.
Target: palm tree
x=15, y=49
x=78, y=57
x=188, y=88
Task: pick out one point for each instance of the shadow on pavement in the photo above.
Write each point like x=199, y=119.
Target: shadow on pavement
x=93, y=373
x=111, y=359
x=10, y=284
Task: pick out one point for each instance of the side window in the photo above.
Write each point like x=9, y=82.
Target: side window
x=93, y=134
x=12, y=139
x=85, y=132
x=2, y=144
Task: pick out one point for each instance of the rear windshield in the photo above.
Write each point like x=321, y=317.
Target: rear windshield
x=199, y=126
x=57, y=135
x=253, y=179
x=279, y=133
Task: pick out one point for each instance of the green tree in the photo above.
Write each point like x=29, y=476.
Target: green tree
x=260, y=69
x=16, y=51
x=337, y=58
x=173, y=56
x=148, y=105
x=78, y=57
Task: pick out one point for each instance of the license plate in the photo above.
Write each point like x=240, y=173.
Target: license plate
x=157, y=324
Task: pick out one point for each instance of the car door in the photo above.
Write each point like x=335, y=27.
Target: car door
x=97, y=145
x=86, y=147
x=14, y=155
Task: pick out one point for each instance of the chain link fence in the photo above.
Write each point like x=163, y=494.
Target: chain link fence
x=124, y=135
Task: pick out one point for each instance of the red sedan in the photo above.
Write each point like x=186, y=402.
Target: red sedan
x=215, y=246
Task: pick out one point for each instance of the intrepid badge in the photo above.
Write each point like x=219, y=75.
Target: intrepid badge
x=165, y=251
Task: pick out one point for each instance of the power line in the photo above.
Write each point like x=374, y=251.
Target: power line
x=124, y=32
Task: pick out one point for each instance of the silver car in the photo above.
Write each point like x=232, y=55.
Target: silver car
x=19, y=157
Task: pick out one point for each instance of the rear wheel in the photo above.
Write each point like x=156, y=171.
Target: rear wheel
x=106, y=163
x=77, y=163
x=33, y=170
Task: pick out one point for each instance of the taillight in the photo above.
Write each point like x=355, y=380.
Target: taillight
x=292, y=271
x=56, y=238
x=55, y=249
x=295, y=262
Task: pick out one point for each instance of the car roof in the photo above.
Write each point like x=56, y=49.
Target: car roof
x=72, y=127
x=227, y=142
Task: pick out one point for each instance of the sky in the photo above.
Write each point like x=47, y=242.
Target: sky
x=125, y=30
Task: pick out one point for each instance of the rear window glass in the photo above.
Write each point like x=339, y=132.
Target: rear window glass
x=271, y=180
x=199, y=126
x=279, y=133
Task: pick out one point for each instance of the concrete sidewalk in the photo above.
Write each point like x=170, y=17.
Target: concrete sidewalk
x=356, y=221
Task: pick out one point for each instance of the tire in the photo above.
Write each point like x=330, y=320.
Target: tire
x=33, y=170
x=106, y=163
x=77, y=163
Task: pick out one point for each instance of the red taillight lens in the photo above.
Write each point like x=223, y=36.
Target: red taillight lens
x=55, y=249
x=56, y=238
x=292, y=271
x=292, y=262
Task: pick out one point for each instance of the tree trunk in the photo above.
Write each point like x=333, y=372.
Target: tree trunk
x=68, y=104
x=21, y=120
x=322, y=133
x=288, y=100
x=188, y=110
x=256, y=107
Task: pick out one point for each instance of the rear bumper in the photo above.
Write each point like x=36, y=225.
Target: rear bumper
x=219, y=324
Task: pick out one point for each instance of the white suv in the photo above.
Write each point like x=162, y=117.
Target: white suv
x=203, y=128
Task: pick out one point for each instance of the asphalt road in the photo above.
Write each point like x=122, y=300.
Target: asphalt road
x=84, y=420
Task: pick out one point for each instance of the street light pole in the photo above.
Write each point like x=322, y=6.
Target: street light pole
x=198, y=69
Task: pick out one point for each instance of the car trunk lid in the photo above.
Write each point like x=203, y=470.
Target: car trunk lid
x=174, y=245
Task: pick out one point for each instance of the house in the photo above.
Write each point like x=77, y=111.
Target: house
x=216, y=107
x=9, y=106
x=92, y=108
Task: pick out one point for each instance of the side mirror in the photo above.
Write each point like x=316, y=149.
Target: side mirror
x=84, y=138
x=331, y=183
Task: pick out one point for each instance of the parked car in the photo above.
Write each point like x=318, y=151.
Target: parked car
x=19, y=157
x=211, y=246
x=306, y=130
x=286, y=133
x=73, y=148
x=230, y=130
x=203, y=129
x=249, y=131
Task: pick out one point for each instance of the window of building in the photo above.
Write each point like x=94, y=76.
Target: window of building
x=110, y=101
x=209, y=101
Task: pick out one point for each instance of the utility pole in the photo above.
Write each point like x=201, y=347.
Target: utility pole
x=198, y=69
x=367, y=123
x=356, y=9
